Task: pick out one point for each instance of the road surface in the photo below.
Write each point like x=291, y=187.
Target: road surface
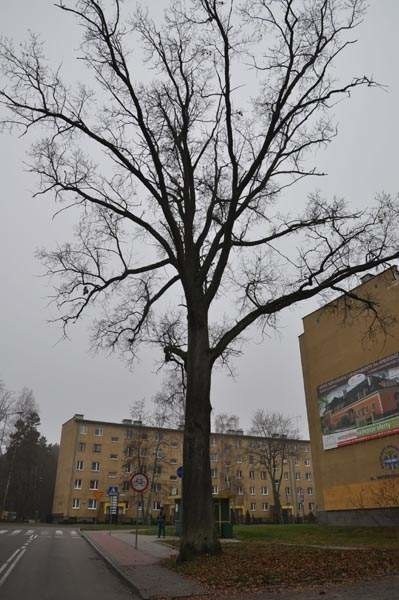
x=54, y=563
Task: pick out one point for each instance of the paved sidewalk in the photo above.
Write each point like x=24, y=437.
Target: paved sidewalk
x=141, y=568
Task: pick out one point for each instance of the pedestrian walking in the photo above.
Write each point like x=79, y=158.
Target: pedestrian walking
x=161, y=523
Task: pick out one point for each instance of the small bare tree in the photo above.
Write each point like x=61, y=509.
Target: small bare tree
x=275, y=445
x=7, y=401
x=176, y=180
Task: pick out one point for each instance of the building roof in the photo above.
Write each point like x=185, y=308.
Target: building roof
x=79, y=418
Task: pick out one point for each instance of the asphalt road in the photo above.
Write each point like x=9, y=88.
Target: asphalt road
x=54, y=563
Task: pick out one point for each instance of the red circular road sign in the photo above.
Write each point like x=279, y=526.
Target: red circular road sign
x=139, y=482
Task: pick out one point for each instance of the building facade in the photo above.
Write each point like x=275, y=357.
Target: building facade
x=350, y=362
x=96, y=455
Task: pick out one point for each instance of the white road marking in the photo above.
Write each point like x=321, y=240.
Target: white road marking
x=59, y=532
x=12, y=565
x=74, y=533
x=29, y=532
x=9, y=560
x=3, y=531
x=16, y=531
x=45, y=532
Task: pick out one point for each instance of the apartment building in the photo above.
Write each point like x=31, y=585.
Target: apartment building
x=350, y=362
x=97, y=455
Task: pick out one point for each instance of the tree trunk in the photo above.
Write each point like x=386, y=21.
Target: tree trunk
x=277, y=505
x=198, y=535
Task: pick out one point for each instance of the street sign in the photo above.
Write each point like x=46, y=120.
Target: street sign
x=139, y=482
x=113, y=490
x=179, y=472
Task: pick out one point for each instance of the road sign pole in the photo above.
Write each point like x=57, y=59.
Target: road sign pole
x=137, y=526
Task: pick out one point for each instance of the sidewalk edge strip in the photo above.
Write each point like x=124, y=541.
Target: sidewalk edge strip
x=114, y=566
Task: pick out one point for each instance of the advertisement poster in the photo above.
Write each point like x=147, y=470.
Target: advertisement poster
x=361, y=405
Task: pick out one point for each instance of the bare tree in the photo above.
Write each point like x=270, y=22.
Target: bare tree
x=6, y=408
x=171, y=399
x=274, y=447
x=176, y=180
x=146, y=451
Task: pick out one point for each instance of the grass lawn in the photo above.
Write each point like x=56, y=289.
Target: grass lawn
x=326, y=535
x=281, y=556
x=255, y=565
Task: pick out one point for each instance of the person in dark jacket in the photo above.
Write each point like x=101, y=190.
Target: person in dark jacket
x=161, y=523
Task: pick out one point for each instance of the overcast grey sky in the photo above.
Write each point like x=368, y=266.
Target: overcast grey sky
x=65, y=378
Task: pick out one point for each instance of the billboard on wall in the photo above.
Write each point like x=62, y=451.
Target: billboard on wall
x=361, y=405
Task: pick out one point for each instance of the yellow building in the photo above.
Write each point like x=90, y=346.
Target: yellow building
x=96, y=455
x=350, y=362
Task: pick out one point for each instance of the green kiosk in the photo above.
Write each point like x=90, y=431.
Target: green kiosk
x=221, y=509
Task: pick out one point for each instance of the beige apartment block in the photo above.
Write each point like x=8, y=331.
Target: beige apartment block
x=350, y=361
x=95, y=455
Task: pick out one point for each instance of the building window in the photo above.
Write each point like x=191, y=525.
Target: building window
x=98, y=431
x=125, y=486
x=239, y=474
x=310, y=491
x=252, y=491
x=299, y=492
x=307, y=462
x=83, y=429
x=96, y=447
x=253, y=506
x=156, y=487
x=297, y=475
x=296, y=462
x=112, y=474
x=287, y=491
x=213, y=441
x=285, y=475
x=213, y=457
x=251, y=459
x=173, y=461
x=75, y=503
x=307, y=448
x=92, y=504
x=300, y=506
x=94, y=484
x=240, y=491
x=238, y=443
x=239, y=459
x=265, y=506
x=264, y=491
x=308, y=476
x=311, y=505
x=173, y=444
x=214, y=473
x=129, y=434
x=95, y=466
x=78, y=484
x=127, y=468
x=215, y=489
x=113, y=456
x=156, y=505
x=173, y=491
x=174, y=477
x=263, y=475
x=252, y=474
x=79, y=465
x=82, y=446
x=114, y=438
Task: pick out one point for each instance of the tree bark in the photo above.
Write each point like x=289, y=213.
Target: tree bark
x=277, y=505
x=199, y=534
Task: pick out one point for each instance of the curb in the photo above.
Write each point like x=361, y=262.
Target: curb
x=112, y=564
